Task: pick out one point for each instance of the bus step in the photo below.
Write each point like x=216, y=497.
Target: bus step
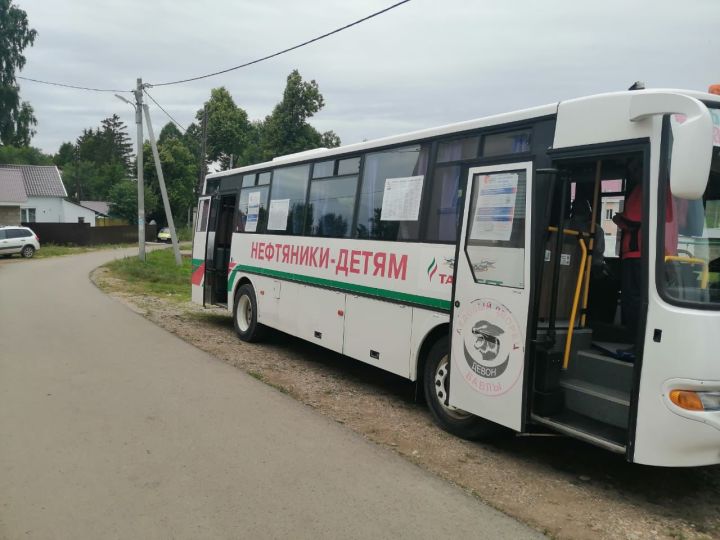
x=601, y=403
x=586, y=429
x=601, y=370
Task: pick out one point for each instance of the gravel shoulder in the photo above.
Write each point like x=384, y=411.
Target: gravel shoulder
x=560, y=486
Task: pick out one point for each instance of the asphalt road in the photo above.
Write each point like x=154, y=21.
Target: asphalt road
x=111, y=427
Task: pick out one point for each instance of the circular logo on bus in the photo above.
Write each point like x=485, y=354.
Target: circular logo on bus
x=493, y=347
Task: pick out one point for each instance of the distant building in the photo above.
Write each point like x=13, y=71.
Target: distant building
x=44, y=198
x=12, y=196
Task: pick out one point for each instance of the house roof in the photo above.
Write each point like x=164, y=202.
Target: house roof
x=99, y=207
x=12, y=187
x=40, y=180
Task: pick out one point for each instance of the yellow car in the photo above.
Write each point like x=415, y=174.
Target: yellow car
x=164, y=235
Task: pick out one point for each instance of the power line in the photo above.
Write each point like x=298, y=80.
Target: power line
x=51, y=83
x=184, y=130
x=304, y=43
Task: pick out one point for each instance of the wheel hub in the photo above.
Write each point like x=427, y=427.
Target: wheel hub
x=441, y=390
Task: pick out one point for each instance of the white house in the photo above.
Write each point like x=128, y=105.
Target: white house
x=46, y=195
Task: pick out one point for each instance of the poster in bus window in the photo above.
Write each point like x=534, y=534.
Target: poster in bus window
x=401, y=199
x=278, y=214
x=253, y=211
x=494, y=211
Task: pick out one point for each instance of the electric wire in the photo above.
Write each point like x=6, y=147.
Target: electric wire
x=64, y=85
x=246, y=64
x=268, y=57
x=184, y=130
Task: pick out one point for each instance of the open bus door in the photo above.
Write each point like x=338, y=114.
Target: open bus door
x=491, y=295
x=198, y=251
x=217, y=248
x=210, y=262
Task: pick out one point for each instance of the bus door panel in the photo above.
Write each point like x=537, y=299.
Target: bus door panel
x=198, y=251
x=210, y=270
x=491, y=295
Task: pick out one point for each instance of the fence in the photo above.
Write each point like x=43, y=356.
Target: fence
x=82, y=234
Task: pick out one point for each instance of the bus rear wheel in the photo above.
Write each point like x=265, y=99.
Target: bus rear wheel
x=245, y=315
x=436, y=379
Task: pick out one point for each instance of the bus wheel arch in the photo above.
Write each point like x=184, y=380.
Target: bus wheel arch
x=433, y=376
x=245, y=313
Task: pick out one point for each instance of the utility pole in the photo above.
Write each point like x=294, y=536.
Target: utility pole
x=163, y=190
x=140, y=181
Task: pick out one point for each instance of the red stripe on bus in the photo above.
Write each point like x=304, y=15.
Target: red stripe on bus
x=198, y=275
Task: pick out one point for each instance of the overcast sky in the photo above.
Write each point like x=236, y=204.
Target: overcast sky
x=424, y=64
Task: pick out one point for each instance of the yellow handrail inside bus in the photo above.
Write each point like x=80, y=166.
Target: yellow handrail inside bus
x=704, y=276
x=591, y=243
x=576, y=301
x=578, y=290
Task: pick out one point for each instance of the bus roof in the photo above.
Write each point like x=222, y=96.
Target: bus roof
x=448, y=129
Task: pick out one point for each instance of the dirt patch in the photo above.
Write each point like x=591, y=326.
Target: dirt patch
x=563, y=487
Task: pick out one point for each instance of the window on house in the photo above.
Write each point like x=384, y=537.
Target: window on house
x=28, y=215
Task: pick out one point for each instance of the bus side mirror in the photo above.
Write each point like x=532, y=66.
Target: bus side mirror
x=692, y=134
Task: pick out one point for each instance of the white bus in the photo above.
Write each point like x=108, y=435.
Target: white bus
x=468, y=258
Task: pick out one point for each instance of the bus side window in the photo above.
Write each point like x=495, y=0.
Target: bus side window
x=397, y=163
x=330, y=207
x=289, y=189
x=444, y=199
x=203, y=217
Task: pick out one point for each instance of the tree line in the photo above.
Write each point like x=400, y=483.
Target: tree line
x=100, y=163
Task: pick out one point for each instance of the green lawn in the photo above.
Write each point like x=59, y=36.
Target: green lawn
x=157, y=276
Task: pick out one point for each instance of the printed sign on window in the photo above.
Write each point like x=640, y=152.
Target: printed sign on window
x=401, y=199
x=253, y=211
x=278, y=215
x=495, y=207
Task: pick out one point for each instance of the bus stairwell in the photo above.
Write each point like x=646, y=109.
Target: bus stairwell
x=583, y=356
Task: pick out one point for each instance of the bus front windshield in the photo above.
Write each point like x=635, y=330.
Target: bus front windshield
x=690, y=268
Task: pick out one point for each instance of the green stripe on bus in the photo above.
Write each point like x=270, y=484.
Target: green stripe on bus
x=196, y=263
x=349, y=287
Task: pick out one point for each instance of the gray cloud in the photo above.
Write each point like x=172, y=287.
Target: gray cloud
x=423, y=64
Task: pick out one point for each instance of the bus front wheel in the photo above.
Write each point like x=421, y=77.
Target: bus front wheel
x=245, y=315
x=436, y=380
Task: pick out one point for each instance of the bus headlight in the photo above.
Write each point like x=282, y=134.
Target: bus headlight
x=692, y=400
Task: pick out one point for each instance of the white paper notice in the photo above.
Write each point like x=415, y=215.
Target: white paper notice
x=279, y=210
x=253, y=212
x=401, y=199
x=495, y=207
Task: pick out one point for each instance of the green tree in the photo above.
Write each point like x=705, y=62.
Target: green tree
x=66, y=154
x=26, y=155
x=17, y=119
x=169, y=131
x=99, y=159
x=123, y=200
x=180, y=170
x=286, y=130
x=227, y=129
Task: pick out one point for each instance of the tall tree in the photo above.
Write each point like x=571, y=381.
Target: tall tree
x=180, y=170
x=286, y=130
x=66, y=154
x=99, y=159
x=17, y=119
x=123, y=200
x=227, y=129
x=24, y=155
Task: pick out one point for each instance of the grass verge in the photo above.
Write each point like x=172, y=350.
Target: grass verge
x=53, y=250
x=157, y=276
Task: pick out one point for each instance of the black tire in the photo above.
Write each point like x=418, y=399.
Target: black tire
x=435, y=384
x=245, y=315
x=28, y=251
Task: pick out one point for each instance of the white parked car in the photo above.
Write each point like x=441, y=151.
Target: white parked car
x=18, y=240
